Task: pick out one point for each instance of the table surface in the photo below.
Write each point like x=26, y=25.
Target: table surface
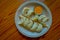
x=8, y=30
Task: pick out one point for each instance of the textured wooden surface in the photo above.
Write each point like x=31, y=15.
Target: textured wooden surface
x=8, y=30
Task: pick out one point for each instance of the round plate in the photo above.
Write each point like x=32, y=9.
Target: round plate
x=26, y=32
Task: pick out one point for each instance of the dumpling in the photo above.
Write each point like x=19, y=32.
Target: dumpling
x=26, y=22
x=22, y=18
x=45, y=19
x=39, y=28
x=29, y=12
x=34, y=18
x=30, y=24
x=47, y=26
x=25, y=10
x=44, y=25
x=41, y=17
x=21, y=22
x=35, y=25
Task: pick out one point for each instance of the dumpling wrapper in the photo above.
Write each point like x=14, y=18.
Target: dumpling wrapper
x=21, y=22
x=25, y=10
x=26, y=22
x=22, y=19
x=39, y=28
x=35, y=25
x=41, y=17
x=30, y=24
x=30, y=12
x=45, y=19
x=34, y=18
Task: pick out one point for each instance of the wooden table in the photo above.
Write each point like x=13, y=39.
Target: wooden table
x=8, y=30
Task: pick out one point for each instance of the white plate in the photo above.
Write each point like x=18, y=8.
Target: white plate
x=26, y=32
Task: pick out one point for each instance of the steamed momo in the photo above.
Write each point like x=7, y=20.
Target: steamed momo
x=39, y=28
x=45, y=19
x=41, y=17
x=25, y=10
x=26, y=22
x=22, y=18
x=35, y=25
x=34, y=18
x=30, y=24
x=29, y=12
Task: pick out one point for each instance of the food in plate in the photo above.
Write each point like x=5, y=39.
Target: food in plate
x=34, y=27
x=32, y=21
x=34, y=18
x=39, y=28
x=43, y=18
x=27, y=12
x=30, y=24
x=22, y=19
x=26, y=22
